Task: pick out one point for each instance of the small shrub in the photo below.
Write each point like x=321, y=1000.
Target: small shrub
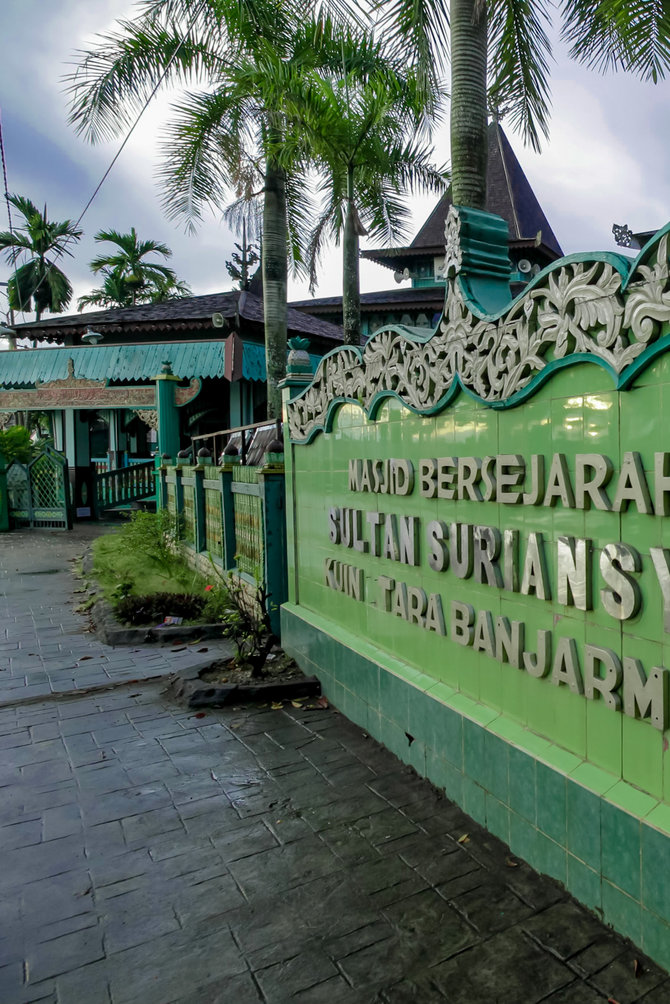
x=154, y=608
x=154, y=535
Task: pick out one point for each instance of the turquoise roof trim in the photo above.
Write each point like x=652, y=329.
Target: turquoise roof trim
x=128, y=363
x=121, y=363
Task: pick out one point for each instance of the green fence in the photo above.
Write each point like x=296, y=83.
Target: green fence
x=234, y=517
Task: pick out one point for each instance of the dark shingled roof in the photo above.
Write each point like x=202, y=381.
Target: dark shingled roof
x=370, y=302
x=190, y=313
x=508, y=194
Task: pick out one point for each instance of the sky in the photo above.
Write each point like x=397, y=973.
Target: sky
x=600, y=166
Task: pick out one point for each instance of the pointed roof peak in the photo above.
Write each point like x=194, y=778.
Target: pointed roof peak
x=508, y=194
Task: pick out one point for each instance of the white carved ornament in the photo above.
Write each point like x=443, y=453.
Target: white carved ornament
x=577, y=308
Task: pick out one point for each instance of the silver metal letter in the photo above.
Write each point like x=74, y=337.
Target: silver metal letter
x=536, y=493
x=538, y=663
x=460, y=549
x=484, y=637
x=632, y=486
x=486, y=546
x=438, y=534
x=535, y=578
x=660, y=557
x=435, y=615
x=402, y=472
x=489, y=478
x=574, y=578
x=446, y=476
x=509, y=641
x=566, y=666
x=662, y=484
x=469, y=473
x=622, y=600
x=605, y=685
x=510, y=471
x=427, y=484
x=646, y=698
x=399, y=604
x=334, y=525
x=462, y=619
x=592, y=491
x=559, y=485
x=511, y=560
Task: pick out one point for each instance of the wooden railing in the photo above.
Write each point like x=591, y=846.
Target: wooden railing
x=125, y=485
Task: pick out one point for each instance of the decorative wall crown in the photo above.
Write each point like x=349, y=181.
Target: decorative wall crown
x=603, y=308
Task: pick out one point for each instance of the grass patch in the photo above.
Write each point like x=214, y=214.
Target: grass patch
x=121, y=572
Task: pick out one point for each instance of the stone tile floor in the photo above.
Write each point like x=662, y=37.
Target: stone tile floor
x=155, y=855
x=44, y=646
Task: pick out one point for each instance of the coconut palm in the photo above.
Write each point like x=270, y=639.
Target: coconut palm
x=245, y=54
x=118, y=291
x=364, y=131
x=128, y=275
x=38, y=283
x=504, y=43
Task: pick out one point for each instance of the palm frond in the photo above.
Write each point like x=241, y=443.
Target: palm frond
x=619, y=34
x=519, y=54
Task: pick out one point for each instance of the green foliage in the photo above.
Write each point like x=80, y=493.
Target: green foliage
x=154, y=536
x=15, y=444
x=128, y=278
x=245, y=614
x=155, y=607
x=37, y=283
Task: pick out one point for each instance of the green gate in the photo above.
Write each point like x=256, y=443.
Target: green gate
x=38, y=492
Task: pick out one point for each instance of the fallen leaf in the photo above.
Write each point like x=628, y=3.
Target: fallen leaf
x=213, y=776
x=85, y=657
x=202, y=650
x=182, y=648
x=276, y=705
x=464, y=839
x=611, y=1000
x=637, y=968
x=200, y=714
x=297, y=704
x=322, y=702
x=85, y=892
x=511, y=863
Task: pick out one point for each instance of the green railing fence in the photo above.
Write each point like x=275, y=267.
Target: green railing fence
x=232, y=516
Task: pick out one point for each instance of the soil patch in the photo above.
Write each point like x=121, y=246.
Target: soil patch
x=279, y=668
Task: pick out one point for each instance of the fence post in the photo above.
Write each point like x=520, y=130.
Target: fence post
x=161, y=463
x=228, y=514
x=4, y=499
x=271, y=486
x=168, y=417
x=200, y=536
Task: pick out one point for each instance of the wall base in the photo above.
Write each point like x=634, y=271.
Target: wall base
x=606, y=841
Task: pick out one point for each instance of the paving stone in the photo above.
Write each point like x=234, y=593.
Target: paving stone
x=283, y=980
x=624, y=981
x=491, y=907
x=564, y=929
x=61, y=955
x=478, y=974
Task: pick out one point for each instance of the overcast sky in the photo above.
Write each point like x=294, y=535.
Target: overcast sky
x=605, y=162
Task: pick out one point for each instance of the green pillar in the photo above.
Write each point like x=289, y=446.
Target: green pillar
x=168, y=416
x=4, y=500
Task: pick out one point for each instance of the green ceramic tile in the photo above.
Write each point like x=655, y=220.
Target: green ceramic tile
x=522, y=784
x=604, y=731
x=474, y=754
x=474, y=800
x=551, y=803
x=496, y=752
x=621, y=848
x=551, y=858
x=656, y=938
x=642, y=756
x=584, y=883
x=523, y=838
x=622, y=912
x=584, y=824
x=497, y=818
x=638, y=803
x=393, y=698
x=660, y=818
x=656, y=871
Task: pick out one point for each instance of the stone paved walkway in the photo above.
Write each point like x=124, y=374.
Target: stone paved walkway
x=154, y=855
x=44, y=644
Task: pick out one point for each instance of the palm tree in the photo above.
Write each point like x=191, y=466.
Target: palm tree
x=38, y=283
x=116, y=291
x=127, y=274
x=364, y=132
x=504, y=43
x=246, y=54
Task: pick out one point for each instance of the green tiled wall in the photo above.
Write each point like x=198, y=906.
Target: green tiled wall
x=568, y=819
x=580, y=791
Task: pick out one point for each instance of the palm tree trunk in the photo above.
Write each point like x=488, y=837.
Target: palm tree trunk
x=351, y=286
x=468, y=103
x=274, y=282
